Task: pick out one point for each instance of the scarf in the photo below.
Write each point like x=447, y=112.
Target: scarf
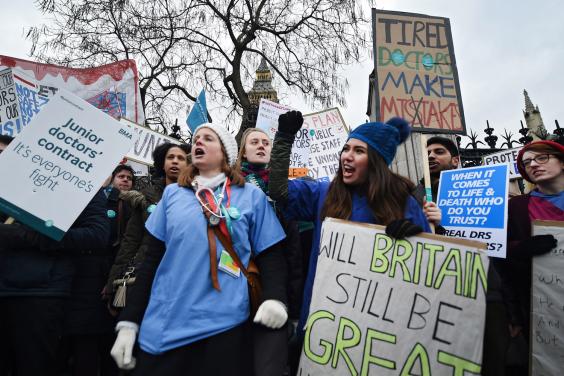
x=210, y=183
x=257, y=174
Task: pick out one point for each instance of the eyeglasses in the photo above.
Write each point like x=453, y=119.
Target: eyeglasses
x=540, y=159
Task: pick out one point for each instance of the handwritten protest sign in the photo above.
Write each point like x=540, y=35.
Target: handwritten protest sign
x=382, y=306
x=325, y=133
x=547, y=301
x=113, y=88
x=267, y=116
x=146, y=140
x=506, y=156
x=474, y=205
x=416, y=74
x=316, y=146
x=60, y=161
x=267, y=119
x=8, y=100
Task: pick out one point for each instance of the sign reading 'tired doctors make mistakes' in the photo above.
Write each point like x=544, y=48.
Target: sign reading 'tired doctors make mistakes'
x=474, y=205
x=57, y=164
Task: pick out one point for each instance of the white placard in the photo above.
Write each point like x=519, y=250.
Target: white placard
x=267, y=116
x=382, y=306
x=547, y=303
x=146, y=142
x=58, y=162
x=506, y=156
x=325, y=133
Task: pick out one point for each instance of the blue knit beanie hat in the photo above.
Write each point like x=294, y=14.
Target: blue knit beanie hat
x=383, y=138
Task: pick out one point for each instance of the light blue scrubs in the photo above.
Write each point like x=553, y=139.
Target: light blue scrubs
x=184, y=307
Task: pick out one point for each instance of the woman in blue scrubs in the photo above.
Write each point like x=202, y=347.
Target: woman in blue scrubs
x=190, y=303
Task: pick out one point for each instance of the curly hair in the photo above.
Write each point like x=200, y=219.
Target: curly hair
x=159, y=156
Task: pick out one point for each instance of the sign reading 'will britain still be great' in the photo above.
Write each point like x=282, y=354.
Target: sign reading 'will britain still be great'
x=416, y=75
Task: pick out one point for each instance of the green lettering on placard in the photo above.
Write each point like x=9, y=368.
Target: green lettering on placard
x=368, y=358
x=467, y=274
x=400, y=259
x=327, y=346
x=418, y=353
x=460, y=365
x=380, y=262
x=343, y=343
x=417, y=267
x=432, y=249
x=478, y=273
x=444, y=271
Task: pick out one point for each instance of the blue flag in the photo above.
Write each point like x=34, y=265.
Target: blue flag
x=199, y=113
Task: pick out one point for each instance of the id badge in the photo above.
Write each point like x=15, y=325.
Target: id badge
x=227, y=265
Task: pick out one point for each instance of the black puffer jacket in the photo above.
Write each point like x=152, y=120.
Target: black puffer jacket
x=34, y=265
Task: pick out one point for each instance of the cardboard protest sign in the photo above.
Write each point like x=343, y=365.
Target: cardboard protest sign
x=316, y=146
x=474, y=205
x=57, y=164
x=508, y=156
x=547, y=303
x=267, y=119
x=8, y=100
x=146, y=140
x=382, y=306
x=113, y=88
x=416, y=75
x=267, y=116
x=325, y=134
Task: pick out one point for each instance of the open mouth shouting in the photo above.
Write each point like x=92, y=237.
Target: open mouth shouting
x=199, y=152
x=348, y=171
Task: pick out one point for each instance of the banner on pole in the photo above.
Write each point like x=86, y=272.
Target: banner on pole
x=547, y=303
x=58, y=163
x=416, y=74
x=112, y=88
x=474, y=205
x=382, y=306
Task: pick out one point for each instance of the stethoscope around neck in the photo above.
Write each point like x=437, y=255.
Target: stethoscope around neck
x=229, y=213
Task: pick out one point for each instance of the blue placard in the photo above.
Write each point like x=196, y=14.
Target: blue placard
x=474, y=197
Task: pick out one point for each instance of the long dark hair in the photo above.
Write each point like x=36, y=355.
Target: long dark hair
x=387, y=192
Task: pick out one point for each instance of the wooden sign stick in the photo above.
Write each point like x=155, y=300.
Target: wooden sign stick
x=426, y=174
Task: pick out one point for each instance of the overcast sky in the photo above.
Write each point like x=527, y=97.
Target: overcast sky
x=501, y=47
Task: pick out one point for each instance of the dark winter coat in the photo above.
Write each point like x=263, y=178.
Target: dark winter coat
x=86, y=311
x=134, y=241
x=33, y=265
x=515, y=271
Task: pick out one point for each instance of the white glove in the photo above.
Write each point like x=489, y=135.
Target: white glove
x=272, y=314
x=123, y=346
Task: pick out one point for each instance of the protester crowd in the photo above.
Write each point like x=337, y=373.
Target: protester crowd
x=165, y=280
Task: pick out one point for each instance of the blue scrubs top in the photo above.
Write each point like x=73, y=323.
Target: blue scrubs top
x=305, y=200
x=184, y=307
